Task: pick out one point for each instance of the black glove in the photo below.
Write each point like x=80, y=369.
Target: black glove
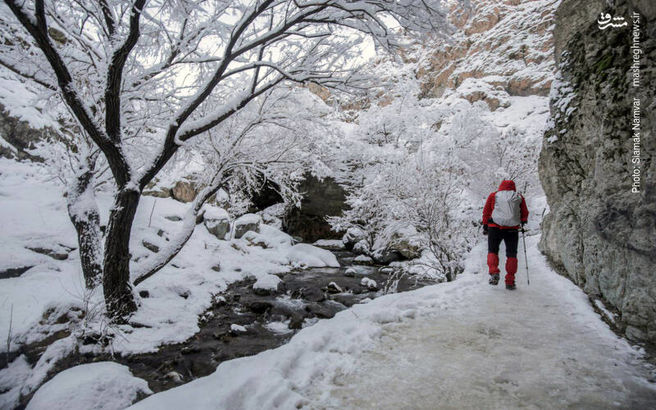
x=522, y=230
x=484, y=229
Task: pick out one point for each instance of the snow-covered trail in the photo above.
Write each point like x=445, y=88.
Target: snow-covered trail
x=541, y=346
x=457, y=345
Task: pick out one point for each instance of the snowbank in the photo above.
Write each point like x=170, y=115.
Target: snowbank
x=310, y=256
x=94, y=386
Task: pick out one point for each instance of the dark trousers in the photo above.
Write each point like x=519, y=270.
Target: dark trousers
x=511, y=238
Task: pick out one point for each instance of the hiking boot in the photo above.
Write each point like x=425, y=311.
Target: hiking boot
x=494, y=279
x=511, y=286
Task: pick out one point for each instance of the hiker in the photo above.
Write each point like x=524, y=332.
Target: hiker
x=505, y=210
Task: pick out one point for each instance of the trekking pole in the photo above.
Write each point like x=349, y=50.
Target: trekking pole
x=528, y=282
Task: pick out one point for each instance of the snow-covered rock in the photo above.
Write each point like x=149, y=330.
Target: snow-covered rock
x=334, y=288
x=385, y=256
x=352, y=236
x=93, y=386
x=303, y=254
x=363, y=260
x=266, y=285
x=361, y=247
x=184, y=191
x=217, y=221
x=473, y=89
x=234, y=328
x=247, y=222
x=334, y=244
x=369, y=283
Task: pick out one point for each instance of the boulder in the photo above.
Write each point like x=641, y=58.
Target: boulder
x=350, y=272
x=363, y=260
x=245, y=223
x=217, y=222
x=352, y=236
x=184, y=191
x=361, y=248
x=406, y=242
x=267, y=285
x=385, y=256
x=334, y=288
x=369, y=284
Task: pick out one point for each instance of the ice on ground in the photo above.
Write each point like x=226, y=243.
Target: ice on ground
x=460, y=344
x=311, y=256
x=94, y=386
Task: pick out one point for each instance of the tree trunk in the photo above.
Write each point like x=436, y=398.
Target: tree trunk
x=83, y=212
x=116, y=279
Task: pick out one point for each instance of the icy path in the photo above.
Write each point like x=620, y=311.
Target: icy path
x=541, y=346
x=458, y=345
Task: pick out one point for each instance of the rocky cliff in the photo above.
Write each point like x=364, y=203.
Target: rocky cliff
x=506, y=43
x=601, y=229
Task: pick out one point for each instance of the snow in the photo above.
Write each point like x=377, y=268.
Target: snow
x=24, y=101
x=248, y=219
x=35, y=216
x=25, y=213
x=369, y=283
x=279, y=327
x=607, y=313
x=363, y=259
x=330, y=243
x=237, y=328
x=94, y=386
x=214, y=212
x=452, y=345
x=303, y=254
x=268, y=282
x=18, y=370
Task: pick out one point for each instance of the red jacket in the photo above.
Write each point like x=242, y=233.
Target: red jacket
x=506, y=185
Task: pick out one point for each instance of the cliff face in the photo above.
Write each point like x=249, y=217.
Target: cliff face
x=598, y=232
x=506, y=43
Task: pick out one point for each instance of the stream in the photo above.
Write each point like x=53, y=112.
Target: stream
x=270, y=320
x=241, y=322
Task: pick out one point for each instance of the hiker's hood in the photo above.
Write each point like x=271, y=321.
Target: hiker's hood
x=507, y=185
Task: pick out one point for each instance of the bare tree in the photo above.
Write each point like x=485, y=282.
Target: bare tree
x=142, y=78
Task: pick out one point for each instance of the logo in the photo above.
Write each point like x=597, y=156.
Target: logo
x=605, y=21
